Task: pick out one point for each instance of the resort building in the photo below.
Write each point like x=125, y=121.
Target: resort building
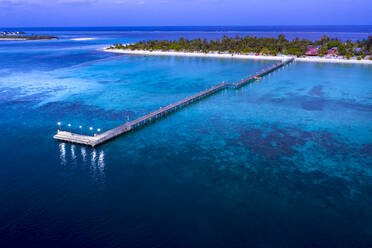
x=333, y=51
x=11, y=33
x=312, y=51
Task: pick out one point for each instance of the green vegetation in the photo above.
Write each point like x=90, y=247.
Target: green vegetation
x=323, y=50
x=27, y=37
x=253, y=44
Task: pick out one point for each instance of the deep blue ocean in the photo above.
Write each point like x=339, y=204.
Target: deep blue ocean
x=284, y=162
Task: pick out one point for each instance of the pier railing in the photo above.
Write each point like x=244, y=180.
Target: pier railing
x=153, y=116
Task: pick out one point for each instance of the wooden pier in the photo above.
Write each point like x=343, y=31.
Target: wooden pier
x=141, y=121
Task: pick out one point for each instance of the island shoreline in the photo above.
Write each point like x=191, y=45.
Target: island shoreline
x=237, y=56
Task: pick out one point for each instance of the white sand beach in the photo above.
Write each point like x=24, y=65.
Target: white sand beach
x=238, y=56
x=2, y=38
x=194, y=54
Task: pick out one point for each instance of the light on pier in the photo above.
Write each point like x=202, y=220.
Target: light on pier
x=59, y=125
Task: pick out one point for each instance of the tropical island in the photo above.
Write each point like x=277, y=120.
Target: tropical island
x=270, y=48
x=6, y=35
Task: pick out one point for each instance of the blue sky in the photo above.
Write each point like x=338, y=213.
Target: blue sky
x=27, y=13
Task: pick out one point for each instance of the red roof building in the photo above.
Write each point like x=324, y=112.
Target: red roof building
x=312, y=51
x=333, y=51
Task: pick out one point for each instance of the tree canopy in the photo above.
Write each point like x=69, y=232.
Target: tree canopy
x=253, y=44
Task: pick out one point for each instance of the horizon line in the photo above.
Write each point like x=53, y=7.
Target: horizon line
x=238, y=25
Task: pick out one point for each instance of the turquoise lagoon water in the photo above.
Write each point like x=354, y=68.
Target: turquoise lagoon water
x=285, y=162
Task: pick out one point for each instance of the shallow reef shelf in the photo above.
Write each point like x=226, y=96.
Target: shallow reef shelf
x=153, y=116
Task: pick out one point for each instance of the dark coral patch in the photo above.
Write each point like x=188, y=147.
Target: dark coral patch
x=367, y=150
x=356, y=106
x=275, y=143
x=316, y=91
x=315, y=101
x=313, y=104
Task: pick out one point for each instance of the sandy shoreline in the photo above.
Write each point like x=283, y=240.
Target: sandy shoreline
x=239, y=56
x=83, y=39
x=12, y=39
